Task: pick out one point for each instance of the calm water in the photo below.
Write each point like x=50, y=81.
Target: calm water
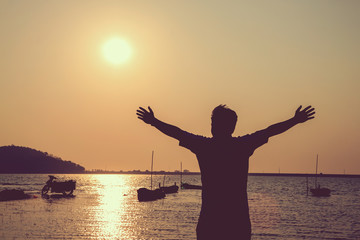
x=106, y=207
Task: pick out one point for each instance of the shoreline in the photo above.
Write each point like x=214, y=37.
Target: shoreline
x=198, y=173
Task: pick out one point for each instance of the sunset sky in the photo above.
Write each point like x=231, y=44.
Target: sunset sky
x=63, y=94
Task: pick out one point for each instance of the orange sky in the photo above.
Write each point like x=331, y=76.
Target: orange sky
x=261, y=58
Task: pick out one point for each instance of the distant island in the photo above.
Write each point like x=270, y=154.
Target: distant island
x=16, y=159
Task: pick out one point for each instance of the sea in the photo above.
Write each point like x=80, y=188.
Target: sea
x=106, y=207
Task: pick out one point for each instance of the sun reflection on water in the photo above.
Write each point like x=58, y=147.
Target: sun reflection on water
x=110, y=213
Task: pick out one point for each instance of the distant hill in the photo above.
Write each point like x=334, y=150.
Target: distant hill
x=15, y=159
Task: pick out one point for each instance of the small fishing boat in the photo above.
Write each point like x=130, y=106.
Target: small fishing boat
x=170, y=189
x=319, y=191
x=13, y=194
x=145, y=194
x=190, y=186
x=187, y=185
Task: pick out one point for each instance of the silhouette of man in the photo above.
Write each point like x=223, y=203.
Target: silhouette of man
x=224, y=164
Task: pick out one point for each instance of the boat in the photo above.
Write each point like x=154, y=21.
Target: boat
x=190, y=186
x=13, y=194
x=187, y=185
x=145, y=194
x=319, y=191
x=170, y=189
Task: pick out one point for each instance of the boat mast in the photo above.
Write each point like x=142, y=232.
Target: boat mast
x=180, y=173
x=307, y=185
x=152, y=163
x=317, y=158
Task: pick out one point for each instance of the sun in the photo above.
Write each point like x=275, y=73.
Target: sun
x=116, y=50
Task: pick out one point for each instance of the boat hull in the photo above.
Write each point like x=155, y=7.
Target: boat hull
x=190, y=186
x=145, y=194
x=320, y=192
x=13, y=194
x=170, y=189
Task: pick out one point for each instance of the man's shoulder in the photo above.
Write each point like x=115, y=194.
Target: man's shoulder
x=195, y=136
x=257, y=134
x=192, y=141
x=241, y=138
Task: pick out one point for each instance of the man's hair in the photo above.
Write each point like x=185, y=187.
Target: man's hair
x=224, y=119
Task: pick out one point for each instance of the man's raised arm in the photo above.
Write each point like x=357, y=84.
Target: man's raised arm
x=148, y=117
x=299, y=117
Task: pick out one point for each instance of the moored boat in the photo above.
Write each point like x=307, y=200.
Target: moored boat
x=170, y=189
x=190, y=186
x=187, y=185
x=145, y=194
x=13, y=194
x=318, y=191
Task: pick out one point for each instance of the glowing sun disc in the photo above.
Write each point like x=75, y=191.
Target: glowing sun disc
x=116, y=51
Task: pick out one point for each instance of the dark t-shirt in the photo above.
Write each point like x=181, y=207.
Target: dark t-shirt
x=224, y=169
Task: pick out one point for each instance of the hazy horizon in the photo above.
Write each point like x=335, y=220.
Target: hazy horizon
x=63, y=92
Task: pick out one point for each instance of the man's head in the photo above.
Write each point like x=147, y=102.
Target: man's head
x=223, y=121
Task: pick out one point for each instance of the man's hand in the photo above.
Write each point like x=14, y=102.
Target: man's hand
x=305, y=114
x=147, y=116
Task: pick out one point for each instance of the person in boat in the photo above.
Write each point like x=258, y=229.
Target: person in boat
x=224, y=162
